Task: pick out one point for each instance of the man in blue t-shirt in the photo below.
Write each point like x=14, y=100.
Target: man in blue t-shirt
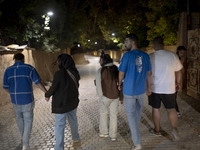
x=135, y=70
x=17, y=81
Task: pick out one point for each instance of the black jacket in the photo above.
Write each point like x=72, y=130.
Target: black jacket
x=64, y=91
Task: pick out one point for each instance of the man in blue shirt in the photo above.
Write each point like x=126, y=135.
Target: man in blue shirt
x=17, y=81
x=135, y=70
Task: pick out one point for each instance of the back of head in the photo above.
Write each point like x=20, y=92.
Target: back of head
x=18, y=57
x=132, y=37
x=65, y=61
x=106, y=59
x=181, y=48
x=158, y=43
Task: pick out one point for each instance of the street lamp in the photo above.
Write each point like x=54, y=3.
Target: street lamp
x=47, y=20
x=113, y=34
x=50, y=13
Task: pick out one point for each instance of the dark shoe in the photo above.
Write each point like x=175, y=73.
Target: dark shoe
x=137, y=147
x=154, y=132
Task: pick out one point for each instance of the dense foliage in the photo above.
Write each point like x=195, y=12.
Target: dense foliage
x=85, y=22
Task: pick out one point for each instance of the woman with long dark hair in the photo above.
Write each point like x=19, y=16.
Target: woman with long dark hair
x=65, y=99
x=106, y=84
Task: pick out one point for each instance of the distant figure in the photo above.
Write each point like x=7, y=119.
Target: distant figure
x=65, y=100
x=165, y=80
x=135, y=70
x=181, y=50
x=17, y=81
x=106, y=85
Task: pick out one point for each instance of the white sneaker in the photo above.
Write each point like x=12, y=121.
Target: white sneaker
x=178, y=114
x=137, y=147
x=103, y=135
x=26, y=147
x=175, y=135
x=113, y=139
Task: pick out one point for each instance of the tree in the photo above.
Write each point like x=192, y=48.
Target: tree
x=163, y=17
x=85, y=22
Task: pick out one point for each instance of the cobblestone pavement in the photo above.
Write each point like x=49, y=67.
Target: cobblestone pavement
x=42, y=137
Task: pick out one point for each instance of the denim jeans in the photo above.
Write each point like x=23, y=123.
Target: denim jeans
x=60, y=128
x=108, y=107
x=24, y=114
x=133, y=106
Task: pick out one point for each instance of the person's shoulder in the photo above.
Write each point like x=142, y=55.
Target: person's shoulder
x=127, y=53
x=144, y=54
x=170, y=53
x=10, y=67
x=28, y=66
x=59, y=73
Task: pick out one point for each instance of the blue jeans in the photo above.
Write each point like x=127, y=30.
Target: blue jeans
x=108, y=107
x=60, y=128
x=24, y=114
x=133, y=106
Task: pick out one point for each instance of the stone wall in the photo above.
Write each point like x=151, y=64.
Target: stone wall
x=42, y=61
x=193, y=62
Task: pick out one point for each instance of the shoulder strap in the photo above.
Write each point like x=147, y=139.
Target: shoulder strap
x=73, y=78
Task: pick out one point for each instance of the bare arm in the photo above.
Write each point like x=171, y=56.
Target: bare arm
x=121, y=77
x=41, y=86
x=178, y=75
x=148, y=88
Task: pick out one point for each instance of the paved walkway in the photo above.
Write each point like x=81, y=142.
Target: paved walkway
x=43, y=138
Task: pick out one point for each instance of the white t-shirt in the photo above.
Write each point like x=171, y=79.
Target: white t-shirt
x=164, y=65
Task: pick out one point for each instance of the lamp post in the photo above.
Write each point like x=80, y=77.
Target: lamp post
x=47, y=19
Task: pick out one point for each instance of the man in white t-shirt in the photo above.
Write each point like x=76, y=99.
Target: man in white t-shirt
x=165, y=81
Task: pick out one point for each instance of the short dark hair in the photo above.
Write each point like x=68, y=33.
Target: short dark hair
x=158, y=40
x=132, y=37
x=181, y=48
x=18, y=57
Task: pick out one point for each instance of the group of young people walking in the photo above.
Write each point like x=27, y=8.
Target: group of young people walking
x=158, y=75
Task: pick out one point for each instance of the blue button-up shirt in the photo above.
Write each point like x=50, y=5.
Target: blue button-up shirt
x=18, y=79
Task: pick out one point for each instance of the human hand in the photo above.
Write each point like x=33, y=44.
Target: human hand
x=148, y=92
x=47, y=99
x=119, y=87
x=178, y=86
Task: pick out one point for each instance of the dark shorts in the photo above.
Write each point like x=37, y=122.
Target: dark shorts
x=167, y=99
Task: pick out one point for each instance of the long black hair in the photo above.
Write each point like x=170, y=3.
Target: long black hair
x=65, y=61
